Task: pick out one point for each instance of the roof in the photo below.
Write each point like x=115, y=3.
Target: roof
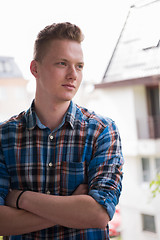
x=137, y=52
x=8, y=68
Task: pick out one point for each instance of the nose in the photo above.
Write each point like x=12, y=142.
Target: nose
x=72, y=73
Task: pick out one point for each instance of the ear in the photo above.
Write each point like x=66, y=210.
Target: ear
x=34, y=68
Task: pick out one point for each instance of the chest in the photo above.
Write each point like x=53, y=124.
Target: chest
x=53, y=163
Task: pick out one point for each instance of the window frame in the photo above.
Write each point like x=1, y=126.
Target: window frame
x=144, y=222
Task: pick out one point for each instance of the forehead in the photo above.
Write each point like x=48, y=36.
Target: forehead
x=65, y=49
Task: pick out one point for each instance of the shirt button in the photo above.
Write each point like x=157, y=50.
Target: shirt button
x=51, y=137
x=50, y=164
x=48, y=192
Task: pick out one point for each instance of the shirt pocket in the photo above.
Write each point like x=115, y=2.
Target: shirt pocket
x=72, y=174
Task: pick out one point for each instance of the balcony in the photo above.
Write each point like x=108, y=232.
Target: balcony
x=149, y=127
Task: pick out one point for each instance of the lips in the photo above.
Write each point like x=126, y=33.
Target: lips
x=69, y=86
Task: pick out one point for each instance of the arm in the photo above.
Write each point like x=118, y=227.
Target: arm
x=24, y=222
x=15, y=222
x=105, y=169
x=76, y=211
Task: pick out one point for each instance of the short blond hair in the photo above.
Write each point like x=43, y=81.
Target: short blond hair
x=59, y=31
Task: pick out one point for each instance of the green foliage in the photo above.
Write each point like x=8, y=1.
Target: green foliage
x=155, y=186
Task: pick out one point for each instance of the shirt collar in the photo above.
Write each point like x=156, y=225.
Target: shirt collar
x=32, y=120
x=31, y=117
x=71, y=114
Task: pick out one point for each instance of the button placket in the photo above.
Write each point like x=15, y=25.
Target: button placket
x=51, y=137
x=49, y=163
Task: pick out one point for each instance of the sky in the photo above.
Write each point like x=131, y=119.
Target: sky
x=100, y=20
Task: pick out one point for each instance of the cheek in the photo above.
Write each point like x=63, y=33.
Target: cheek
x=79, y=79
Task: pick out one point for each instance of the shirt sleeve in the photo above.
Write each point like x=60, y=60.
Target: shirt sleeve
x=105, y=169
x=4, y=179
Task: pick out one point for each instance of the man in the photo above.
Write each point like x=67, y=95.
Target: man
x=60, y=165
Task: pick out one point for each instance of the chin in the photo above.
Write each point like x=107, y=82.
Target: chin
x=68, y=98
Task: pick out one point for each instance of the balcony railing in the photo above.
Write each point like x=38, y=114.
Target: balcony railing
x=149, y=127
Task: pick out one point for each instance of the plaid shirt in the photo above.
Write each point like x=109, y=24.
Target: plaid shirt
x=85, y=148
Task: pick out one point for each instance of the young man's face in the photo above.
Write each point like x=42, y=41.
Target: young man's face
x=59, y=74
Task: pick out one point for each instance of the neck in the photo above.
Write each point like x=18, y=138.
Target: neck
x=50, y=113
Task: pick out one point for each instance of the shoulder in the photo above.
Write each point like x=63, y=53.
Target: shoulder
x=13, y=122
x=94, y=119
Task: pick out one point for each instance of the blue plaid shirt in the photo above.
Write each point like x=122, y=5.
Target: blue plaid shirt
x=85, y=148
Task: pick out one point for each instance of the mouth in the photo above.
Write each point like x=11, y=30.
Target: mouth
x=69, y=86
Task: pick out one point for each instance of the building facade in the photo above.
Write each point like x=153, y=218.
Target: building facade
x=130, y=94
x=14, y=97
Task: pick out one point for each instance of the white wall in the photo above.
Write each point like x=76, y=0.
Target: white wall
x=14, y=98
x=132, y=226
x=140, y=100
x=136, y=199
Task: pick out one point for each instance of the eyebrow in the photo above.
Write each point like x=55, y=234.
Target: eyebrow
x=65, y=60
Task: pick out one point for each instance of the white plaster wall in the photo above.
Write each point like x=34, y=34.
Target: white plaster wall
x=158, y=224
x=136, y=193
x=136, y=199
x=140, y=101
x=16, y=100
x=132, y=226
x=149, y=147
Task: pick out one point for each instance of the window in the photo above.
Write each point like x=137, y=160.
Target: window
x=157, y=160
x=153, y=97
x=5, y=66
x=148, y=223
x=146, y=169
x=1, y=67
x=150, y=168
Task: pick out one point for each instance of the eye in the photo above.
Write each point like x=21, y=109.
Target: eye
x=62, y=63
x=80, y=66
